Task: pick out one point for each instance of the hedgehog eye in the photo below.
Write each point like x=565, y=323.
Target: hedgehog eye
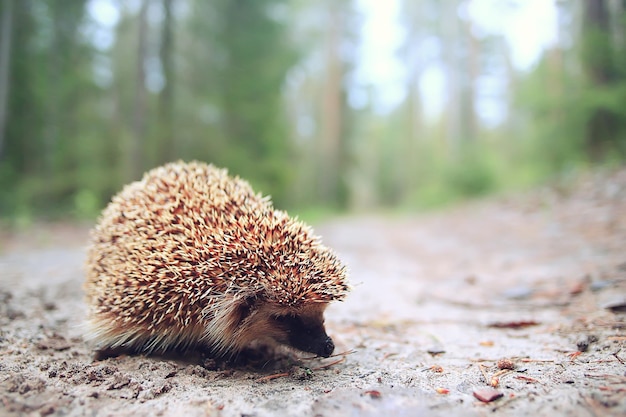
x=288, y=320
x=281, y=319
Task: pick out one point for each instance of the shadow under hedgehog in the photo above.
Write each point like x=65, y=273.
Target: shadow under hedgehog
x=190, y=257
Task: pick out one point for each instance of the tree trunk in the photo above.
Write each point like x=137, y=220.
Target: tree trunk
x=469, y=126
x=166, y=105
x=139, y=123
x=598, y=32
x=450, y=39
x=53, y=102
x=597, y=60
x=6, y=30
x=331, y=118
x=414, y=130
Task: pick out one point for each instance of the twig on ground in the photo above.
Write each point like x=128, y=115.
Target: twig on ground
x=519, y=324
x=482, y=371
x=527, y=378
x=347, y=352
x=495, y=378
x=593, y=406
x=605, y=388
x=574, y=355
x=319, y=368
x=273, y=376
x=616, y=378
x=620, y=360
x=328, y=365
x=525, y=360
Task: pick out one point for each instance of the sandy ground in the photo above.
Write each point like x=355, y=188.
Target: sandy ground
x=441, y=302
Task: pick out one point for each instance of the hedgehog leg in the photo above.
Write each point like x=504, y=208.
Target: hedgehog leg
x=109, y=352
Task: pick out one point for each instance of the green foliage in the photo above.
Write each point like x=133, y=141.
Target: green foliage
x=315, y=214
x=232, y=82
x=551, y=133
x=575, y=103
x=471, y=176
x=604, y=99
x=48, y=85
x=475, y=171
x=71, y=135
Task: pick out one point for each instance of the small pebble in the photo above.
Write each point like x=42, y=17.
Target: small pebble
x=582, y=345
x=436, y=368
x=518, y=293
x=487, y=395
x=599, y=285
x=374, y=394
x=616, y=306
x=506, y=364
x=436, y=350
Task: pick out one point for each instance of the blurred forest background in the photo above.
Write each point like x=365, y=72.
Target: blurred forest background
x=267, y=88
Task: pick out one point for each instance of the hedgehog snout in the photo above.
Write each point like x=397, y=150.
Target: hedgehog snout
x=321, y=345
x=307, y=334
x=327, y=348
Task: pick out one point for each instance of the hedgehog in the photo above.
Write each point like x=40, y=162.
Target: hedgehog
x=192, y=258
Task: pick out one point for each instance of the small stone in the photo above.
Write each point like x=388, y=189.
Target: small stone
x=49, y=306
x=518, y=293
x=374, y=394
x=617, y=305
x=600, y=285
x=506, y=364
x=55, y=342
x=583, y=344
x=119, y=382
x=487, y=395
x=46, y=410
x=436, y=350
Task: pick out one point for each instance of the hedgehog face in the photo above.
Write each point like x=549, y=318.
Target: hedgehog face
x=302, y=329
x=306, y=333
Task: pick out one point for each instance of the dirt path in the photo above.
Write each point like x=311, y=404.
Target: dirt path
x=438, y=300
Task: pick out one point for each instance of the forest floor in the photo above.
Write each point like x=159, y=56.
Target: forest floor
x=443, y=305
